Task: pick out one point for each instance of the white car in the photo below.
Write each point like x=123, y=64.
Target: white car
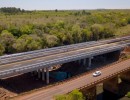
x=97, y=73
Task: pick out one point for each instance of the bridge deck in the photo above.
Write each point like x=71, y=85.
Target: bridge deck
x=33, y=64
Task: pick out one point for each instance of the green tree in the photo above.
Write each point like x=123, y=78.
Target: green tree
x=2, y=49
x=108, y=31
x=51, y=40
x=15, y=31
x=68, y=39
x=7, y=39
x=74, y=95
x=1, y=28
x=26, y=29
x=128, y=94
x=96, y=31
x=85, y=35
x=128, y=20
x=76, y=33
x=27, y=43
x=59, y=24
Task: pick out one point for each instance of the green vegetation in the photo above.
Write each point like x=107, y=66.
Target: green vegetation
x=74, y=95
x=22, y=30
x=128, y=94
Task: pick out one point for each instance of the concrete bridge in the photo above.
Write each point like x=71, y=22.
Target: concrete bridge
x=87, y=81
x=43, y=60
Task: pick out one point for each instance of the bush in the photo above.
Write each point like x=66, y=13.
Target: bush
x=128, y=20
x=74, y=95
x=128, y=94
x=2, y=49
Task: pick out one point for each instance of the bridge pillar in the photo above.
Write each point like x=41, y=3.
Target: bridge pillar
x=84, y=62
x=90, y=61
x=43, y=75
x=111, y=85
x=32, y=73
x=47, y=75
x=90, y=93
x=79, y=61
x=118, y=85
x=125, y=76
x=39, y=73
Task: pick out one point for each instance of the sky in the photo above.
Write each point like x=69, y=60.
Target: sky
x=66, y=4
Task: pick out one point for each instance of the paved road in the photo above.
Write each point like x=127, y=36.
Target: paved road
x=85, y=80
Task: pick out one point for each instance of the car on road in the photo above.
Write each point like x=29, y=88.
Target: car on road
x=96, y=73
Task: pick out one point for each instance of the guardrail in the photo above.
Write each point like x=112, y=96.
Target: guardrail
x=68, y=58
x=50, y=51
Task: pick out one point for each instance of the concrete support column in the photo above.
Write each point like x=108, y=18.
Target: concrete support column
x=32, y=73
x=89, y=61
x=35, y=72
x=125, y=76
x=43, y=75
x=90, y=93
x=79, y=61
x=111, y=85
x=39, y=73
x=47, y=75
x=84, y=62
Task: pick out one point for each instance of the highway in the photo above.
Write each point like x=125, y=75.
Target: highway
x=86, y=79
x=25, y=66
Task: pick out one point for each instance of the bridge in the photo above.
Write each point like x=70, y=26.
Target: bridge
x=86, y=80
x=43, y=60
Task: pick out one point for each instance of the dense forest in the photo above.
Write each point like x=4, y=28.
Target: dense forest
x=22, y=30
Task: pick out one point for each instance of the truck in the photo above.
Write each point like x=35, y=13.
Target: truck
x=58, y=76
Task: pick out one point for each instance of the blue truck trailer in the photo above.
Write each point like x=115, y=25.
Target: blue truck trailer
x=58, y=76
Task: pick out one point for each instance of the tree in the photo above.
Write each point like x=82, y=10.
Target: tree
x=27, y=29
x=128, y=94
x=56, y=10
x=83, y=12
x=76, y=33
x=2, y=49
x=74, y=95
x=85, y=35
x=51, y=40
x=96, y=31
x=15, y=31
x=59, y=24
x=68, y=39
x=11, y=10
x=108, y=31
x=7, y=39
x=1, y=28
x=128, y=20
x=27, y=43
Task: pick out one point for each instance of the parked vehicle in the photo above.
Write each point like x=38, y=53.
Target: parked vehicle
x=59, y=75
